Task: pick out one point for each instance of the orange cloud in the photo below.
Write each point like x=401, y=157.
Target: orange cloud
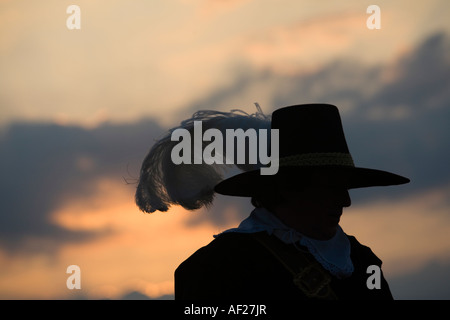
x=311, y=42
x=140, y=253
x=405, y=233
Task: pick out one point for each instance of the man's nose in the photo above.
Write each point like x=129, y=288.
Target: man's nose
x=344, y=198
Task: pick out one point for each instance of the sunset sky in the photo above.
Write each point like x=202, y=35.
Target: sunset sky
x=79, y=110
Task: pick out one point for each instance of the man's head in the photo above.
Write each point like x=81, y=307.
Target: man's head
x=311, y=142
x=314, y=211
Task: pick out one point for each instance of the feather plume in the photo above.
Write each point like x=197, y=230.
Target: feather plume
x=163, y=183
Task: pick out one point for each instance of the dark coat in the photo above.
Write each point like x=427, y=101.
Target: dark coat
x=236, y=266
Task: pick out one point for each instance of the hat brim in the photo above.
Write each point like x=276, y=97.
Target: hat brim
x=252, y=183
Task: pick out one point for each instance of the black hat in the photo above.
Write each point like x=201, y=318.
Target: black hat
x=312, y=151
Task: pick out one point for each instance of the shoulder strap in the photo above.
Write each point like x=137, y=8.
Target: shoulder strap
x=308, y=274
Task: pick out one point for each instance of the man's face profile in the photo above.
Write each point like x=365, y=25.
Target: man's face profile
x=315, y=211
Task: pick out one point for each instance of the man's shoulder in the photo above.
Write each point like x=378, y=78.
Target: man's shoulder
x=233, y=240
x=226, y=246
x=360, y=252
x=230, y=253
x=232, y=265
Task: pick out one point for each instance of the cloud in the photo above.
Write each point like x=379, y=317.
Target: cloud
x=432, y=282
x=305, y=45
x=394, y=114
x=395, y=118
x=419, y=221
x=59, y=182
x=45, y=165
x=410, y=236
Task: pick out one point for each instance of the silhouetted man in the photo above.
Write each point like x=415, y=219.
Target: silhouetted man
x=291, y=246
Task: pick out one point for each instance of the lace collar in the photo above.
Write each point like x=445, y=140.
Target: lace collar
x=332, y=254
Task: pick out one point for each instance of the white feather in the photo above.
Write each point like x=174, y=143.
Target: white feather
x=163, y=183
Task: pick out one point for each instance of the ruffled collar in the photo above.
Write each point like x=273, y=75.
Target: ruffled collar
x=332, y=254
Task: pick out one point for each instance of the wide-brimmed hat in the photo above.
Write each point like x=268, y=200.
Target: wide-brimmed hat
x=312, y=151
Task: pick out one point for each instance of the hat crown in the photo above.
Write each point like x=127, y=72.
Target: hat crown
x=309, y=129
x=312, y=151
